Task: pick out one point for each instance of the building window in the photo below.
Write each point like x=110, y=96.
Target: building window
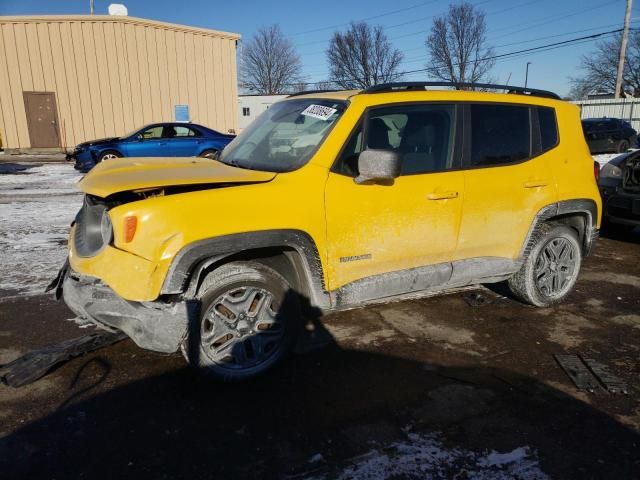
x=246, y=111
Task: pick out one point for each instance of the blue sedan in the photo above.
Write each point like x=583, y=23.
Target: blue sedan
x=155, y=140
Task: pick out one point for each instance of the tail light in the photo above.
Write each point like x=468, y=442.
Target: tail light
x=596, y=170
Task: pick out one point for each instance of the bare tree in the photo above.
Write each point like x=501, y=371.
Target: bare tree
x=599, y=69
x=270, y=64
x=457, y=46
x=362, y=57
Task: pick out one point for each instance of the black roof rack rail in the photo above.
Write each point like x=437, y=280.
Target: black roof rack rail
x=305, y=92
x=399, y=86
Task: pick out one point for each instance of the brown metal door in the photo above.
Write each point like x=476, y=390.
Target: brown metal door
x=42, y=119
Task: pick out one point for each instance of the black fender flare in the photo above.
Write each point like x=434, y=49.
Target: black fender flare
x=195, y=257
x=581, y=206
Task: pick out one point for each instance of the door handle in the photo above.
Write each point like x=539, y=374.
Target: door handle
x=442, y=195
x=535, y=183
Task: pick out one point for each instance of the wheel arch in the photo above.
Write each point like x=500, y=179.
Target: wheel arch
x=292, y=253
x=581, y=215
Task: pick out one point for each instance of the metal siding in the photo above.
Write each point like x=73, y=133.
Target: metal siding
x=8, y=128
x=625, y=108
x=209, y=80
x=219, y=88
x=172, y=71
x=63, y=93
x=163, y=78
x=111, y=75
x=35, y=60
x=191, y=78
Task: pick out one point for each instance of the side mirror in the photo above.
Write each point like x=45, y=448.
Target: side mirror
x=381, y=166
x=139, y=137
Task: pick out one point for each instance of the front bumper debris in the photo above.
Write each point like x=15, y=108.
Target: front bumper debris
x=35, y=364
x=155, y=326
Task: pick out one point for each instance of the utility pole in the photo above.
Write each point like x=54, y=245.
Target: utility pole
x=91, y=6
x=526, y=75
x=623, y=49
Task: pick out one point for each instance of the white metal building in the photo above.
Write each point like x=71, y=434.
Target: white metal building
x=250, y=106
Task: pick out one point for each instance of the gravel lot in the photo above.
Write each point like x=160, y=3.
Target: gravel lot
x=426, y=388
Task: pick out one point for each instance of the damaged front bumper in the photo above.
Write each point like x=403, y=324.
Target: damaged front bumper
x=156, y=326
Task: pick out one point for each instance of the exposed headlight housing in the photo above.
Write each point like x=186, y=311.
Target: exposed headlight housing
x=611, y=171
x=94, y=230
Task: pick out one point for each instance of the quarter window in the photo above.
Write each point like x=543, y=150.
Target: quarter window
x=548, y=128
x=500, y=134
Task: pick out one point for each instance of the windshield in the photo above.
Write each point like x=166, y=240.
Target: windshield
x=285, y=136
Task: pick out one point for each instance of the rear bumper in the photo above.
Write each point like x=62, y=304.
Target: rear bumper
x=155, y=326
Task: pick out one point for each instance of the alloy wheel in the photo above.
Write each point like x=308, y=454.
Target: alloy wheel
x=555, y=267
x=241, y=328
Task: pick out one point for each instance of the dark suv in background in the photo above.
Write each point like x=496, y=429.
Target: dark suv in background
x=606, y=135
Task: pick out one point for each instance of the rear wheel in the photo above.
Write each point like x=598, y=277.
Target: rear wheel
x=551, y=268
x=108, y=155
x=623, y=146
x=247, y=322
x=211, y=154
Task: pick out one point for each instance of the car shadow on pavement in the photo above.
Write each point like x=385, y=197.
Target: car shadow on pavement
x=330, y=400
x=620, y=233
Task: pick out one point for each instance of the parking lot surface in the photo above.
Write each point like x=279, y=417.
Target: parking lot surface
x=438, y=387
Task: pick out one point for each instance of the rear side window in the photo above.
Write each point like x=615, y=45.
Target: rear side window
x=548, y=128
x=500, y=134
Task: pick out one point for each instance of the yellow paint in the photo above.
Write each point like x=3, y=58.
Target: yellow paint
x=143, y=173
x=400, y=226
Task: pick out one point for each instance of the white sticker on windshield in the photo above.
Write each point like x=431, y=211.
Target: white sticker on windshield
x=319, y=111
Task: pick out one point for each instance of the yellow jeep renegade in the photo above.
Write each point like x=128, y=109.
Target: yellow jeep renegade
x=334, y=199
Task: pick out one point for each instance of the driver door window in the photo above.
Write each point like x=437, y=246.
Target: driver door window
x=152, y=133
x=152, y=144
x=424, y=135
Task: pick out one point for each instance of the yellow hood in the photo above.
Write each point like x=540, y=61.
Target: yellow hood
x=127, y=174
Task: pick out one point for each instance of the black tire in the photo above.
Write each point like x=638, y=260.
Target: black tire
x=108, y=155
x=211, y=154
x=543, y=281
x=226, y=332
x=623, y=146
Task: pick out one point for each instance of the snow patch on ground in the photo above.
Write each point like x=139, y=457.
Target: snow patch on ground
x=36, y=209
x=425, y=457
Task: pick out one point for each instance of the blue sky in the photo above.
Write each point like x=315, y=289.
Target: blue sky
x=512, y=25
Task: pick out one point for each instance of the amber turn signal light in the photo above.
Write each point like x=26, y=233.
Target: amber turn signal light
x=130, y=226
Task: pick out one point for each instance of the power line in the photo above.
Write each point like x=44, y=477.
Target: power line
x=316, y=42
x=514, y=54
x=385, y=14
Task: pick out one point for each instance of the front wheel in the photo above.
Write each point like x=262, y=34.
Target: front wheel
x=210, y=154
x=246, y=323
x=108, y=155
x=551, y=268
